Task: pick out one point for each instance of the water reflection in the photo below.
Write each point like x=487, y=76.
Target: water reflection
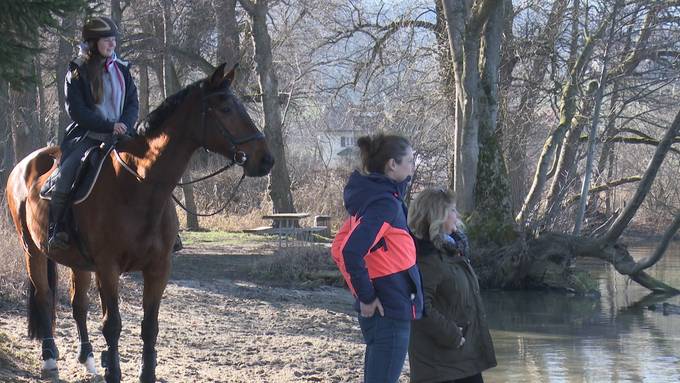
x=550, y=337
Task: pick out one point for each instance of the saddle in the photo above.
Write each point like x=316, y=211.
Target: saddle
x=88, y=171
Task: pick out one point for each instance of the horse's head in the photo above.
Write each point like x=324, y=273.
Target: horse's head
x=226, y=127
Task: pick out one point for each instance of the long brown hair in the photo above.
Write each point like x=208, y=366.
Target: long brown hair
x=94, y=66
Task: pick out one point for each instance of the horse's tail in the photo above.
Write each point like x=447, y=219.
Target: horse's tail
x=34, y=328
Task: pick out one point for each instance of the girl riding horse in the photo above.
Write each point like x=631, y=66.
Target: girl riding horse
x=101, y=99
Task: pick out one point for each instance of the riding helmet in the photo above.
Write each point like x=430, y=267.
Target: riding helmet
x=98, y=27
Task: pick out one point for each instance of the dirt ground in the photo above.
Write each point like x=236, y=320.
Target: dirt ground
x=216, y=325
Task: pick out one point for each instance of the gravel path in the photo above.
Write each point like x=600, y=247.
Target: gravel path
x=215, y=326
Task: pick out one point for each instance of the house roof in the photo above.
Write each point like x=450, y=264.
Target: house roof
x=349, y=151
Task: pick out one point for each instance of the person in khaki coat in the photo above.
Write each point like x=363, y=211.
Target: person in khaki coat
x=451, y=343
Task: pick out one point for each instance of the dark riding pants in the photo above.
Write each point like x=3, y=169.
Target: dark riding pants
x=70, y=160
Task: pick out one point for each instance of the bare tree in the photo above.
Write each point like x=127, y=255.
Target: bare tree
x=172, y=86
x=279, y=179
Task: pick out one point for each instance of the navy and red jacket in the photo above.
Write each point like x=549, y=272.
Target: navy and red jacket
x=379, y=255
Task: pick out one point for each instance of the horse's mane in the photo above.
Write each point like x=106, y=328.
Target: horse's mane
x=153, y=121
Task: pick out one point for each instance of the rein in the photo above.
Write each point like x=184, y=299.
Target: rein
x=233, y=194
x=239, y=158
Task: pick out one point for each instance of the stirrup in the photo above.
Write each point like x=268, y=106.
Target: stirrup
x=59, y=241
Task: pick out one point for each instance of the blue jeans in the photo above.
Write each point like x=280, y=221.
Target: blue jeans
x=386, y=345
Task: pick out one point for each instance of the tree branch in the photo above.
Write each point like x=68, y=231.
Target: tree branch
x=652, y=169
x=660, y=248
x=205, y=66
x=604, y=187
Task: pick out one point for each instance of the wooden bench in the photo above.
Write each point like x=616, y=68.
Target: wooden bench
x=325, y=222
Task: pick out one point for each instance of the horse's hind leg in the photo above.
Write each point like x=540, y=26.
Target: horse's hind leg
x=42, y=273
x=155, y=280
x=80, y=285
x=108, y=291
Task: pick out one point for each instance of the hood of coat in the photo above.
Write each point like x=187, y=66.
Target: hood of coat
x=362, y=189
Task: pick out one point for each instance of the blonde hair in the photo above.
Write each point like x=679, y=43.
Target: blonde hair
x=428, y=211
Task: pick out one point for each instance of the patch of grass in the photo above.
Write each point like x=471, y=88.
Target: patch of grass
x=220, y=237
x=299, y=267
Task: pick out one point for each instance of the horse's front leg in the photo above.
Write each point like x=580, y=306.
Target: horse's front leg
x=80, y=285
x=155, y=279
x=108, y=291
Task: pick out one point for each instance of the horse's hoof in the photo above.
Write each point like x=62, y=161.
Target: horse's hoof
x=147, y=375
x=49, y=369
x=112, y=376
x=90, y=366
x=147, y=379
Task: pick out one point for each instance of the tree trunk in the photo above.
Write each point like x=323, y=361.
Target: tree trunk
x=7, y=155
x=229, y=41
x=635, y=55
x=228, y=37
x=279, y=178
x=524, y=118
x=172, y=86
x=444, y=60
x=27, y=134
x=42, y=103
x=465, y=51
x=545, y=262
x=117, y=15
x=492, y=189
x=593, y=128
x=567, y=112
x=64, y=55
x=143, y=91
x=607, y=151
x=565, y=173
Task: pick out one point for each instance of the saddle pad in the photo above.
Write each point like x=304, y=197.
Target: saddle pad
x=89, y=168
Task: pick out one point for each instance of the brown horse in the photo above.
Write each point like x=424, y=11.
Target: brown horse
x=128, y=223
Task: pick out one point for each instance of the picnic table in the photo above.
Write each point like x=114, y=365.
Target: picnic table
x=285, y=220
x=287, y=226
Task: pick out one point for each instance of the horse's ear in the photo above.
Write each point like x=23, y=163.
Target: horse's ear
x=229, y=77
x=218, y=76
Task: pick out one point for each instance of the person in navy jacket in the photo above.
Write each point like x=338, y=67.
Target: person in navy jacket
x=379, y=254
x=101, y=100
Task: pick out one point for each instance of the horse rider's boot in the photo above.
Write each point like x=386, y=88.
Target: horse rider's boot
x=59, y=237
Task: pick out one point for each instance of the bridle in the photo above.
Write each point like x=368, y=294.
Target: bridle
x=239, y=157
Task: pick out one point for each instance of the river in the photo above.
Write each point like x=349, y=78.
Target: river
x=552, y=337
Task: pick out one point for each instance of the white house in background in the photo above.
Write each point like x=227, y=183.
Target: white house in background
x=338, y=147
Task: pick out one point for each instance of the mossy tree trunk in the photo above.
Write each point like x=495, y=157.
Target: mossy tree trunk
x=479, y=177
x=492, y=190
